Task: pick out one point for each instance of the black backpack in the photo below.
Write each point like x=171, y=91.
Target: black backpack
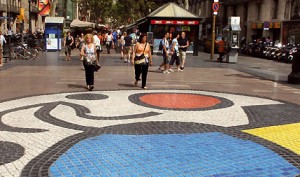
x=160, y=47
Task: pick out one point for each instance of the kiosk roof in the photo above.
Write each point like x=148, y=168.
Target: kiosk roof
x=172, y=10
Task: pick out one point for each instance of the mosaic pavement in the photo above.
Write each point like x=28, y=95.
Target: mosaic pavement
x=149, y=133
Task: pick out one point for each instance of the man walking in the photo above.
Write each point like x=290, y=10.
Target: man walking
x=183, y=45
x=175, y=53
x=98, y=46
x=127, y=47
x=165, y=53
x=68, y=42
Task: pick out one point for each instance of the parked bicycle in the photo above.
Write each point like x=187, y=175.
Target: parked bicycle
x=22, y=51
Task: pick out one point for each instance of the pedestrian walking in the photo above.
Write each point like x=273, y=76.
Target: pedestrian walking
x=122, y=45
x=165, y=53
x=98, y=46
x=183, y=45
x=2, y=42
x=88, y=52
x=141, y=64
x=68, y=42
x=109, y=41
x=175, y=54
x=127, y=47
x=221, y=49
x=115, y=38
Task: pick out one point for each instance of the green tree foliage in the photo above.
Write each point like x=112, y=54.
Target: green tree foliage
x=126, y=12
x=101, y=9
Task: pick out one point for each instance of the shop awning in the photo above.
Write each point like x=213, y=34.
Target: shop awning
x=232, y=28
x=81, y=24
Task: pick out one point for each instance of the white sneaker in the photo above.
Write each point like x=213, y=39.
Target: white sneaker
x=166, y=72
x=171, y=70
x=179, y=70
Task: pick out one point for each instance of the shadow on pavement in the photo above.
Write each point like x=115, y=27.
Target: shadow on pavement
x=76, y=86
x=127, y=85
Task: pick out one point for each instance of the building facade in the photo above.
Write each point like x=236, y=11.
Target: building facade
x=278, y=19
x=14, y=15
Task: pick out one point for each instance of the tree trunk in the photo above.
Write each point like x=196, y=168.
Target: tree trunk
x=186, y=4
x=52, y=7
x=65, y=3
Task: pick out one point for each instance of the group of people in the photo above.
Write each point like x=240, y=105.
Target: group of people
x=134, y=49
x=174, y=52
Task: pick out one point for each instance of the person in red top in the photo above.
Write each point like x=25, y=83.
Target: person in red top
x=221, y=51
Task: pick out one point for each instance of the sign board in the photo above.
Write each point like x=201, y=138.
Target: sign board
x=174, y=22
x=215, y=6
x=234, y=20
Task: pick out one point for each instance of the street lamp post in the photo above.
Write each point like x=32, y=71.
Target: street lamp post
x=215, y=8
x=29, y=12
x=9, y=30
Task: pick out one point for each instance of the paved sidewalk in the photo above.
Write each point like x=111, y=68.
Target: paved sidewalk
x=212, y=119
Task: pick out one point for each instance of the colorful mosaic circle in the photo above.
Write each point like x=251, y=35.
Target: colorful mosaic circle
x=179, y=101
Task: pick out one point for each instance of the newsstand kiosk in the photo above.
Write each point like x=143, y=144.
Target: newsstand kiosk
x=53, y=31
x=232, y=31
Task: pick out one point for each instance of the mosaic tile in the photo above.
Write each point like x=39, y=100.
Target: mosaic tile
x=199, y=151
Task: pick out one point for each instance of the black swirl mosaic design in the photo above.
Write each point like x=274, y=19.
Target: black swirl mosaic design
x=259, y=116
x=10, y=152
x=225, y=103
x=85, y=96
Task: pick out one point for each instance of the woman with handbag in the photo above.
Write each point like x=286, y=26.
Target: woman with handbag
x=141, y=58
x=90, y=63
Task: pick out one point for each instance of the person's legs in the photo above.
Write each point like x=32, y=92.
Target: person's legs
x=144, y=75
x=66, y=52
x=107, y=47
x=86, y=74
x=90, y=76
x=165, y=64
x=182, y=57
x=122, y=51
x=69, y=52
x=137, y=70
x=126, y=55
x=177, y=62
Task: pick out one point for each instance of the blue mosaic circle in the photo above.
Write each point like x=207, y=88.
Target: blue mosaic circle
x=200, y=154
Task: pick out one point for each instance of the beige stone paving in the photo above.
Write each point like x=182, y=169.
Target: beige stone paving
x=20, y=81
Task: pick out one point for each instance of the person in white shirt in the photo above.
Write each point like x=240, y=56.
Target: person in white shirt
x=109, y=41
x=97, y=44
x=2, y=40
x=175, y=53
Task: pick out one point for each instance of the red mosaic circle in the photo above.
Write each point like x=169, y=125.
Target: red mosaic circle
x=179, y=101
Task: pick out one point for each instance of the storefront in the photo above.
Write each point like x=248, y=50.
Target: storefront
x=173, y=19
x=291, y=32
x=265, y=29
